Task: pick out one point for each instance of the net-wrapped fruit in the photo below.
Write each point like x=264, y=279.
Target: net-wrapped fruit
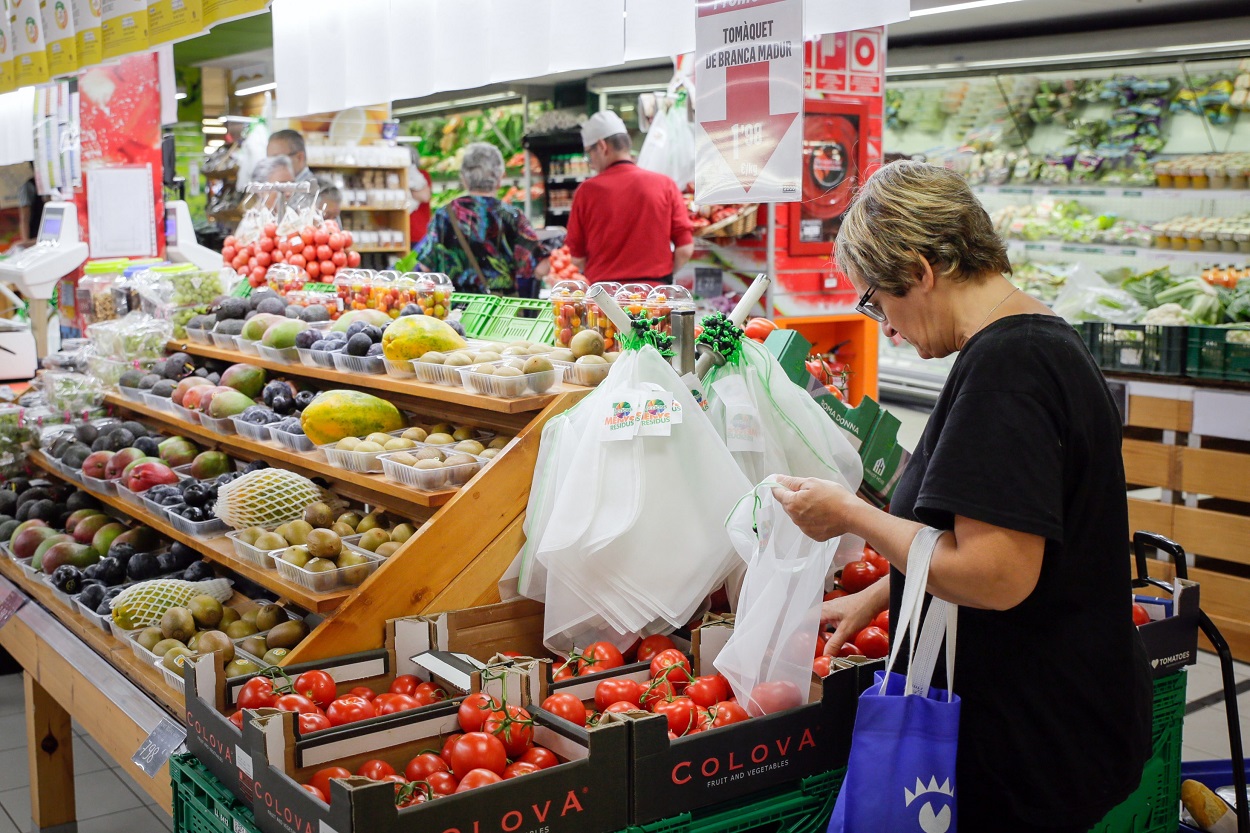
x=145, y=603
x=265, y=497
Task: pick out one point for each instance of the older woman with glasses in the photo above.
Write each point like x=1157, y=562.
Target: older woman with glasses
x=1020, y=465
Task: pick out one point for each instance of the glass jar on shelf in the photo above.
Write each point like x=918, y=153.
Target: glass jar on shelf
x=433, y=293
x=598, y=320
x=1198, y=178
x=568, y=302
x=1180, y=175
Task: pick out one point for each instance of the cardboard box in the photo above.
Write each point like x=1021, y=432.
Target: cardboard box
x=586, y=793
x=1171, y=635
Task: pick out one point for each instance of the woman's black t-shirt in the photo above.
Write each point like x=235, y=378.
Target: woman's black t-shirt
x=1055, y=723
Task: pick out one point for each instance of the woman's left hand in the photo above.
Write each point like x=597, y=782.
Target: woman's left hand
x=818, y=507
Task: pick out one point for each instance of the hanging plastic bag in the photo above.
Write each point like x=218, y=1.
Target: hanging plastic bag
x=768, y=658
x=669, y=146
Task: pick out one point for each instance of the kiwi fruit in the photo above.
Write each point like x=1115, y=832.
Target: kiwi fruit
x=249, y=535
x=441, y=438
x=149, y=637
x=343, y=530
x=508, y=372
x=398, y=444
x=347, y=444
x=254, y=645
x=287, y=634
x=249, y=617
x=428, y=465
x=355, y=567
x=352, y=519
x=163, y=645
x=270, y=616
x=433, y=357
x=537, y=364
x=324, y=543
x=228, y=615
x=370, y=521
x=319, y=515
x=297, y=556
x=297, y=532
x=177, y=623
x=388, y=549
x=206, y=611
x=269, y=541
x=240, y=629
x=275, y=656
x=415, y=434
x=240, y=667
x=175, y=657
x=469, y=447
x=218, y=642
x=319, y=565
x=370, y=447
x=373, y=539
x=402, y=532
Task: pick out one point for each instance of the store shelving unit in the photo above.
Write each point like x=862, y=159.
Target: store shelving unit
x=394, y=219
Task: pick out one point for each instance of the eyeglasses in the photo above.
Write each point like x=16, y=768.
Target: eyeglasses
x=868, y=308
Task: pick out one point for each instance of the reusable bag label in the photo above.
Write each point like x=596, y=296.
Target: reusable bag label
x=695, y=387
x=624, y=415
x=743, y=430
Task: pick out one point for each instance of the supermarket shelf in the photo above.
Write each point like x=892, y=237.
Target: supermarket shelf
x=1114, y=192
x=364, y=250
x=370, y=208
x=563, y=180
x=369, y=488
x=217, y=549
x=380, y=382
x=1141, y=253
x=324, y=167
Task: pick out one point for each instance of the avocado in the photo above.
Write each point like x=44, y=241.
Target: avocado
x=165, y=388
x=130, y=379
x=87, y=432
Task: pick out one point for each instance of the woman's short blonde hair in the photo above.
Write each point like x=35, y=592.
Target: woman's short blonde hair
x=910, y=210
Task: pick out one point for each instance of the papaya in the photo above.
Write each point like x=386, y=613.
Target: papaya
x=336, y=414
x=412, y=336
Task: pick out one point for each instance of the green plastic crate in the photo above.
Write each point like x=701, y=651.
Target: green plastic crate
x=1153, y=806
x=476, y=311
x=202, y=804
x=522, y=319
x=1212, y=356
x=802, y=809
x=1154, y=349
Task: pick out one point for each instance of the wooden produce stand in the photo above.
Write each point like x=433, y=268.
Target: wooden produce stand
x=1193, y=443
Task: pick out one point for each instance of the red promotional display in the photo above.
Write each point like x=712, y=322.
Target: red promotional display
x=835, y=157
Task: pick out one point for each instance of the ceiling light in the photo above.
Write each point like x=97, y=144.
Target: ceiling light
x=960, y=7
x=219, y=131
x=259, y=88
x=481, y=100
x=1059, y=60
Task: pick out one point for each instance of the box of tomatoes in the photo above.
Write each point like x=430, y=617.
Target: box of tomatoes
x=481, y=764
x=692, y=745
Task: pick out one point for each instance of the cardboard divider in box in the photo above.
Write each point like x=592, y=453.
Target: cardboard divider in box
x=585, y=793
x=1171, y=635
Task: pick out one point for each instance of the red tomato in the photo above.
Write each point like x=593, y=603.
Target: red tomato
x=258, y=274
x=442, y=783
x=835, y=594
x=857, y=576
x=516, y=730
x=237, y=720
x=347, y=240
x=297, y=261
x=822, y=639
x=540, y=756
x=622, y=706
x=321, y=779
x=394, y=703
x=228, y=253
x=564, y=671
x=882, y=620
x=267, y=245
x=316, y=793
x=709, y=690
x=361, y=691
x=412, y=794
x=445, y=752
x=726, y=713
x=600, y=656
x=313, y=723
x=672, y=665
x=405, y=684
x=270, y=230
x=614, y=691
x=657, y=692
x=517, y=769
x=230, y=241
x=375, y=770
x=257, y=693
x=566, y=706
x=682, y=713
x=296, y=703
x=339, y=259
x=306, y=234
x=1140, y=616
x=424, y=765
x=429, y=693
x=877, y=560
x=474, y=710
x=874, y=642
x=478, y=750
x=310, y=253
x=323, y=252
x=317, y=686
x=321, y=237
x=353, y=259
x=335, y=241
x=478, y=778
x=313, y=269
x=759, y=328
x=849, y=649
x=349, y=710
x=770, y=698
x=327, y=268
x=820, y=666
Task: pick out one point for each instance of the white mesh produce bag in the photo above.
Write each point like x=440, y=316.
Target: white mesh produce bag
x=145, y=603
x=265, y=497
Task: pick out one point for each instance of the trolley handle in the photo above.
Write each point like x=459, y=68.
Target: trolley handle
x=1144, y=540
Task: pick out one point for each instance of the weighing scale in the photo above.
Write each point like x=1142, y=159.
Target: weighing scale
x=35, y=272
x=180, y=243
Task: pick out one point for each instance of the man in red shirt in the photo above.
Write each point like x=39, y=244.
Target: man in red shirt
x=627, y=225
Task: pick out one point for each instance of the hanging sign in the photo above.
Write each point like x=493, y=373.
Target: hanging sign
x=58, y=31
x=124, y=27
x=6, y=53
x=174, y=20
x=87, y=32
x=219, y=11
x=30, y=57
x=749, y=100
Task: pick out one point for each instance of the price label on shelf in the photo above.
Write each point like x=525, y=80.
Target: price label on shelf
x=159, y=745
x=9, y=605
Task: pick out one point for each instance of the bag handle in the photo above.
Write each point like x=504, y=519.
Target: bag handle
x=464, y=246
x=941, y=622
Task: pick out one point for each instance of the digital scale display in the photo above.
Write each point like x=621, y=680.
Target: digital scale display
x=50, y=226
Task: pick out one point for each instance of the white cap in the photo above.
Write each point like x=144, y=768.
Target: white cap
x=600, y=126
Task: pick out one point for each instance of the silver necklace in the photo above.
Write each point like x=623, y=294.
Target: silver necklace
x=992, y=311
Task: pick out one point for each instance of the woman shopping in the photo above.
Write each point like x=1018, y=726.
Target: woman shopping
x=1020, y=467
x=482, y=244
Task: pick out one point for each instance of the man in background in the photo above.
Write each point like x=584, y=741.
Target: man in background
x=290, y=143
x=627, y=224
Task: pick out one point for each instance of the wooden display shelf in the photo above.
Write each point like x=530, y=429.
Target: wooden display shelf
x=372, y=250
x=368, y=488
x=217, y=549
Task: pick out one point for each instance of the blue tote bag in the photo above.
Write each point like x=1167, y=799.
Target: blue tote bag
x=901, y=774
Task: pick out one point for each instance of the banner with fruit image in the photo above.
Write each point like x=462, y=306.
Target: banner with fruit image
x=220, y=11
x=174, y=20
x=6, y=52
x=30, y=57
x=123, y=26
x=58, y=32
x=87, y=34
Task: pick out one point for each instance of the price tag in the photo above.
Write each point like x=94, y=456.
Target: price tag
x=10, y=605
x=709, y=282
x=160, y=744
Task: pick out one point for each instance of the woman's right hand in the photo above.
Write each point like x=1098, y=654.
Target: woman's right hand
x=851, y=614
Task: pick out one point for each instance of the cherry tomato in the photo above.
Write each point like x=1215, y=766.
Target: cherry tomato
x=429, y=693
x=566, y=706
x=321, y=778
x=317, y=686
x=478, y=750
x=726, y=713
x=257, y=693
x=849, y=649
x=857, y=576
x=375, y=770
x=474, y=710
x=540, y=756
x=296, y=703
x=339, y=259
x=672, y=665
x=442, y=783
x=424, y=765
x=600, y=656
x=519, y=768
x=313, y=269
x=820, y=666
x=271, y=230
x=882, y=620
x=651, y=646
x=1140, y=616
x=313, y=723
x=478, y=778
x=297, y=261
x=306, y=234
x=709, y=690
x=349, y=710
x=773, y=697
x=681, y=713
x=405, y=684
x=327, y=268
x=516, y=730
x=394, y=703
x=874, y=642
x=316, y=793
x=361, y=691
x=613, y=691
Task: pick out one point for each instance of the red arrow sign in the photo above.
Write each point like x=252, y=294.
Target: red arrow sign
x=750, y=132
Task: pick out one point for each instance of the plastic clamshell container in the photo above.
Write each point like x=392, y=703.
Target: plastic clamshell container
x=160, y=403
x=187, y=414
x=95, y=484
x=249, y=553
x=135, y=499
x=200, y=529
x=359, y=364
x=62, y=597
x=360, y=461
x=285, y=355
x=400, y=370
x=101, y=622
x=200, y=336
x=223, y=426
x=122, y=633
x=430, y=480
x=295, y=442
x=73, y=473
x=330, y=579
x=586, y=375
x=436, y=374
x=223, y=340
x=172, y=680
x=157, y=509
x=243, y=345
x=251, y=430
x=511, y=387
x=316, y=358
x=133, y=394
